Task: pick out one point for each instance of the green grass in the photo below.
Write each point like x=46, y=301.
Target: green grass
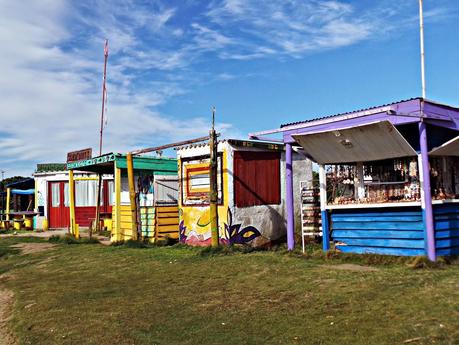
x=69, y=239
x=91, y=294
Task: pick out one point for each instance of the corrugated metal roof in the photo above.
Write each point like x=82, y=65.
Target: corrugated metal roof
x=355, y=111
x=271, y=145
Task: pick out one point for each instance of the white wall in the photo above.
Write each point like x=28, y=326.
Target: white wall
x=270, y=220
x=41, y=184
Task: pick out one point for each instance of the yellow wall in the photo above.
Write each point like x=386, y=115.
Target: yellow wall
x=156, y=222
x=163, y=219
x=195, y=220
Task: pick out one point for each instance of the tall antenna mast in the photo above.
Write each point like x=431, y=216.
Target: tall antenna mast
x=104, y=91
x=421, y=32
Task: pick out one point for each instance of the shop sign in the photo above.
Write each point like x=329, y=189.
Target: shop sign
x=80, y=155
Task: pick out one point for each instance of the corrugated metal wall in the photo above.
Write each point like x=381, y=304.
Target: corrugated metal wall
x=447, y=229
x=166, y=189
x=394, y=231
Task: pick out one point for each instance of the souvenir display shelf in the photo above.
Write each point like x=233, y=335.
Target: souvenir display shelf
x=311, y=224
x=392, y=182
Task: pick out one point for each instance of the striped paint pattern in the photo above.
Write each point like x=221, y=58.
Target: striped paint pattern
x=446, y=218
x=398, y=231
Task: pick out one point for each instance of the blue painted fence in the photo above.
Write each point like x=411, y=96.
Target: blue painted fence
x=393, y=231
x=446, y=218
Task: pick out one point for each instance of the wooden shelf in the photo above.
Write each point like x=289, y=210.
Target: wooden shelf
x=379, y=205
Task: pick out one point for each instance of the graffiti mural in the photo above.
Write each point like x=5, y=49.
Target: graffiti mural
x=236, y=235
x=232, y=234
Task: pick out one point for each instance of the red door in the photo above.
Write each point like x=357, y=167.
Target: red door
x=58, y=204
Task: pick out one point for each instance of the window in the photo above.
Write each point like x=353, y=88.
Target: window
x=55, y=195
x=85, y=193
x=195, y=178
x=111, y=192
x=256, y=178
x=66, y=195
x=198, y=181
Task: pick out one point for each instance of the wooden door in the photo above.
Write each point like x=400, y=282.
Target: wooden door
x=58, y=204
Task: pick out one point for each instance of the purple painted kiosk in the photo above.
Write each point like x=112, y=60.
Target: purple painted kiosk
x=378, y=192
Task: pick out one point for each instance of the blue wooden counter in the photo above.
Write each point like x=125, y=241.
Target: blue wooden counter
x=394, y=230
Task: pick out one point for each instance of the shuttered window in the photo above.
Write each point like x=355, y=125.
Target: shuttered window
x=256, y=178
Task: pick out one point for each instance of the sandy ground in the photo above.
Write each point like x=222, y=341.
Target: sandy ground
x=6, y=307
x=30, y=248
x=42, y=234
x=352, y=267
x=58, y=232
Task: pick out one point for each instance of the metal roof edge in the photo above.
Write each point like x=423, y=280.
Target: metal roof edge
x=350, y=113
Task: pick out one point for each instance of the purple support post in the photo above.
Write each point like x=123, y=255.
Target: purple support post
x=426, y=198
x=289, y=197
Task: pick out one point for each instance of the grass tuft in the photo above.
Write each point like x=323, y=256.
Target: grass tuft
x=231, y=250
x=69, y=239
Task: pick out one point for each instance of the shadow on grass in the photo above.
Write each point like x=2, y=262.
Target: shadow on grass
x=314, y=251
x=144, y=244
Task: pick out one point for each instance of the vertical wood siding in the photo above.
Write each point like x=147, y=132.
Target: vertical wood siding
x=156, y=222
x=446, y=218
x=394, y=231
x=256, y=178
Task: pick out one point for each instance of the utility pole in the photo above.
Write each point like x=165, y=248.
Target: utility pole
x=213, y=190
x=99, y=186
x=421, y=33
x=104, y=92
x=132, y=195
x=3, y=197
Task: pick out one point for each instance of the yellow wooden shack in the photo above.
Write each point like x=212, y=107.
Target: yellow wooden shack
x=156, y=187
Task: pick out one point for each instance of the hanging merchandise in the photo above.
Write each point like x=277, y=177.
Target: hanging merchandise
x=413, y=168
x=391, y=180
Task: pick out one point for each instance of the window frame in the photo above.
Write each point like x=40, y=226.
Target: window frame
x=199, y=166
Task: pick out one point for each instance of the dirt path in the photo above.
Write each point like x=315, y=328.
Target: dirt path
x=6, y=307
x=42, y=234
x=59, y=232
x=352, y=267
x=30, y=248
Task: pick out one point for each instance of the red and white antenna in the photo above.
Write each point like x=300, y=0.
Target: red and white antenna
x=104, y=92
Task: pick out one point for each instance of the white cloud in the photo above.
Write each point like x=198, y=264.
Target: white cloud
x=51, y=88
x=52, y=55
x=295, y=28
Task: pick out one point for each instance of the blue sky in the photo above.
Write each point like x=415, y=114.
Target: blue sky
x=261, y=63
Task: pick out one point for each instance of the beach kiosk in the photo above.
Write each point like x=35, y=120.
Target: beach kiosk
x=52, y=195
x=20, y=195
x=156, y=188
x=250, y=181
x=389, y=177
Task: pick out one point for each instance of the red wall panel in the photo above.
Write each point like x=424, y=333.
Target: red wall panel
x=256, y=178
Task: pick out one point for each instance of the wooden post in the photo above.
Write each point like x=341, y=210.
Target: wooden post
x=359, y=183
x=72, y=203
x=323, y=209
x=117, y=204
x=426, y=194
x=213, y=191
x=99, y=188
x=289, y=203
x=132, y=201
x=8, y=197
